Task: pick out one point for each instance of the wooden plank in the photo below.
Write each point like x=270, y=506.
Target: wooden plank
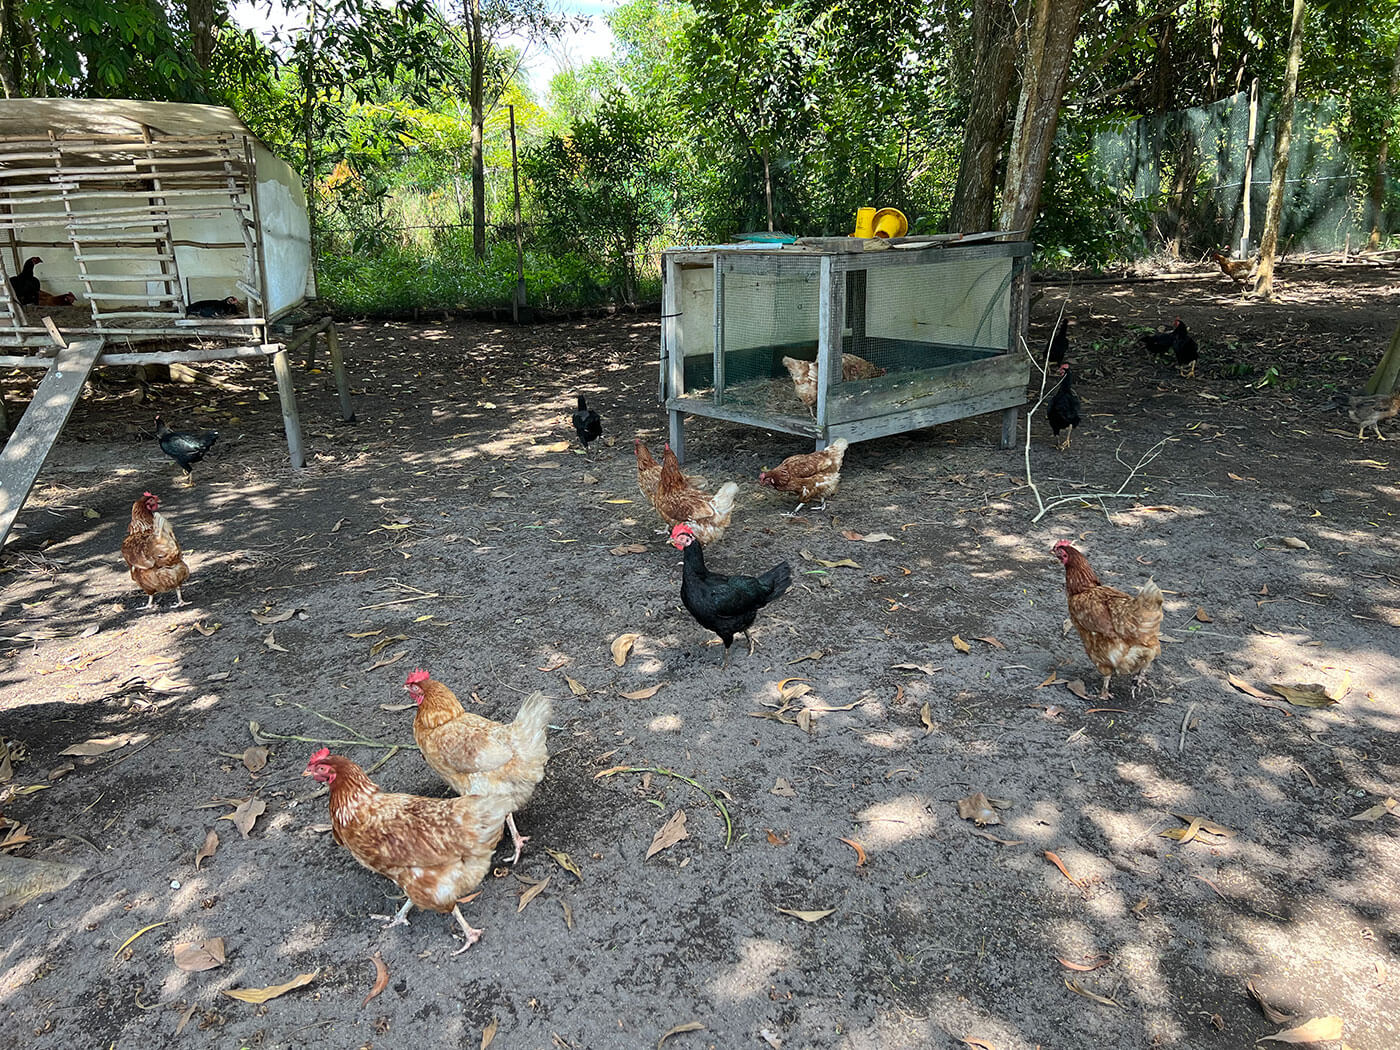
x=719, y=336
x=672, y=381
x=38, y=429
x=202, y=353
x=699, y=406
x=1008, y=426
x=342, y=381
x=901, y=422
x=953, y=253
x=286, y=392
x=901, y=392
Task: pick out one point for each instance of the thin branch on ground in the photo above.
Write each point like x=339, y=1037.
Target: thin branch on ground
x=1044, y=507
x=728, y=824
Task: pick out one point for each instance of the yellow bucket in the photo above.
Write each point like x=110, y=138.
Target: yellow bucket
x=865, y=222
x=890, y=222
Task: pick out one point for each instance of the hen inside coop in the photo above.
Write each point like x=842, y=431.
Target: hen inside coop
x=829, y=339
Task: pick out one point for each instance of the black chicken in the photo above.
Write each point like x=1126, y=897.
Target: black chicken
x=726, y=605
x=226, y=307
x=587, y=423
x=1063, y=411
x=25, y=284
x=1184, y=346
x=184, y=449
x=1159, y=342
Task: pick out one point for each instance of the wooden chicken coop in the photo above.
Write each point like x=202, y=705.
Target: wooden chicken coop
x=940, y=319
x=137, y=212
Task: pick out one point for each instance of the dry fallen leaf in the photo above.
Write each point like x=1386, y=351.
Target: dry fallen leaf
x=246, y=814
x=381, y=978
x=262, y=995
x=102, y=744
x=980, y=809
x=1377, y=811
x=1055, y=860
x=1245, y=687
x=621, y=646
x=1308, y=694
x=991, y=640
x=387, y=662
x=280, y=616
x=271, y=642
x=254, y=758
x=200, y=955
x=206, y=631
x=790, y=689
x=489, y=1032
x=555, y=664
x=629, y=548
x=980, y=1044
x=643, y=694
x=1078, y=688
x=782, y=788
x=566, y=862
x=1079, y=989
x=668, y=834
x=689, y=1026
x=926, y=717
x=1087, y=967
x=211, y=843
x=808, y=916
x=576, y=687
x=531, y=893
x=1317, y=1030
x=1203, y=616
x=860, y=852
x=1272, y=1013
x=960, y=645
x=1294, y=543
x=843, y=563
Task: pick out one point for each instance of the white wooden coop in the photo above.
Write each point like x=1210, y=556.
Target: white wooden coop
x=940, y=318
x=139, y=209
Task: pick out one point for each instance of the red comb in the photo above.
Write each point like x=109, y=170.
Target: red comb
x=416, y=676
x=319, y=756
x=682, y=530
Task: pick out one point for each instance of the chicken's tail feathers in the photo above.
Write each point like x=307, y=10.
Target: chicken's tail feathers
x=532, y=719
x=723, y=500
x=1149, y=599
x=777, y=579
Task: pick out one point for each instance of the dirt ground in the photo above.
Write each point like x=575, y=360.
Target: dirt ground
x=449, y=529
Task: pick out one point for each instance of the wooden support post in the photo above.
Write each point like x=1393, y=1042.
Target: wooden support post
x=4, y=415
x=1008, y=427
x=311, y=351
x=342, y=382
x=678, y=434
x=288, y=395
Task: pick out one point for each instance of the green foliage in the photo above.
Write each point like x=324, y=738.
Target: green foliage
x=400, y=280
x=606, y=187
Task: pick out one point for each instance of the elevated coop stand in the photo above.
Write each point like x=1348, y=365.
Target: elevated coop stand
x=943, y=317
x=141, y=209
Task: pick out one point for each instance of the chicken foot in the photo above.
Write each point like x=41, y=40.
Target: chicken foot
x=471, y=933
x=1065, y=447
x=516, y=837
x=1103, y=693
x=399, y=918
x=180, y=599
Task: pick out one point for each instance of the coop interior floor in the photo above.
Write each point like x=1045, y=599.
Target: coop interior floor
x=455, y=527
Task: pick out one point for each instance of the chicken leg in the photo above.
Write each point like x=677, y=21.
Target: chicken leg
x=471, y=933
x=179, y=599
x=1065, y=446
x=399, y=918
x=1103, y=693
x=516, y=837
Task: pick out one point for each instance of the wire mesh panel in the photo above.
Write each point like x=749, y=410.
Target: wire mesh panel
x=694, y=331
x=766, y=318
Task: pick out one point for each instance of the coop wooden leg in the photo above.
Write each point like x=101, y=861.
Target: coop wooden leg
x=4, y=416
x=1008, y=428
x=311, y=350
x=342, y=383
x=286, y=392
x=678, y=435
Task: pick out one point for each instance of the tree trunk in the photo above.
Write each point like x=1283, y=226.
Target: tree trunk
x=12, y=50
x=984, y=134
x=1283, y=135
x=1183, y=191
x=1054, y=28
x=1377, y=201
x=200, y=15
x=477, y=43
x=768, y=187
x=1247, y=187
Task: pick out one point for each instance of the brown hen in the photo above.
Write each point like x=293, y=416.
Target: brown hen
x=477, y=756
x=1121, y=632
x=151, y=550
x=678, y=501
x=812, y=475
x=804, y=375
x=434, y=849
